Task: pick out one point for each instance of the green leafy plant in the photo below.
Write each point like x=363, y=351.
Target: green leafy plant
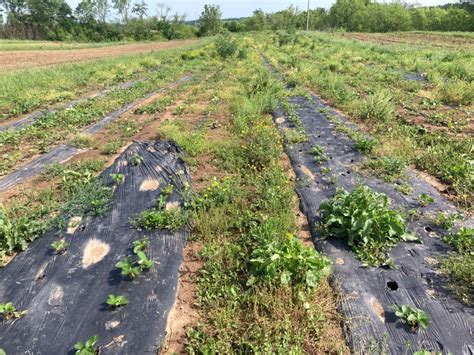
x=133, y=267
x=319, y=153
x=117, y=301
x=59, y=246
x=288, y=262
x=447, y=220
x=87, y=347
x=162, y=217
x=140, y=245
x=128, y=268
x=226, y=46
x=325, y=170
x=386, y=168
x=363, y=143
x=461, y=241
x=137, y=160
x=364, y=218
x=2, y=352
x=412, y=316
x=118, y=178
x=425, y=199
x=9, y=311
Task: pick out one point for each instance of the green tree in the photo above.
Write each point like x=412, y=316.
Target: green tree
x=102, y=8
x=210, y=22
x=140, y=9
x=350, y=15
x=123, y=8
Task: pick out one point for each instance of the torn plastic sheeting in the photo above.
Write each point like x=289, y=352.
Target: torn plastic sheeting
x=370, y=293
x=64, y=152
x=65, y=294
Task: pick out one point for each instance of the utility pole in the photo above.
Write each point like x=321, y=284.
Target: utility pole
x=307, y=18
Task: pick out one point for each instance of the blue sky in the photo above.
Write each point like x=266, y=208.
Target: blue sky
x=242, y=8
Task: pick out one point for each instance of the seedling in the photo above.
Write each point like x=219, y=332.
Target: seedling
x=412, y=316
x=319, y=153
x=59, y=246
x=168, y=190
x=140, y=245
x=9, y=311
x=88, y=347
x=143, y=262
x=118, y=178
x=133, y=268
x=117, y=301
x=137, y=160
x=447, y=220
x=325, y=170
x=425, y=200
x=128, y=268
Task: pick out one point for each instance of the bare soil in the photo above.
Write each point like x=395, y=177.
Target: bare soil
x=13, y=60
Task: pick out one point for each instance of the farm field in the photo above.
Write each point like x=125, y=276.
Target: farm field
x=19, y=45
x=31, y=58
x=267, y=192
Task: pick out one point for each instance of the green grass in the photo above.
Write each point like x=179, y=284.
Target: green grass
x=57, y=127
x=365, y=81
x=80, y=193
x=27, y=45
x=30, y=89
x=242, y=218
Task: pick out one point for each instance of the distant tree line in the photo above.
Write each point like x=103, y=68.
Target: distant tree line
x=91, y=19
x=364, y=16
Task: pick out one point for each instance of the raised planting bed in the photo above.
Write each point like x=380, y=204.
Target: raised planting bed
x=66, y=288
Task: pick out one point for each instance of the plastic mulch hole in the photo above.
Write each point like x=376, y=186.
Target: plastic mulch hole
x=392, y=285
x=428, y=229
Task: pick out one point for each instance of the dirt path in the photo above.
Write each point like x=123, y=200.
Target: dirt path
x=13, y=60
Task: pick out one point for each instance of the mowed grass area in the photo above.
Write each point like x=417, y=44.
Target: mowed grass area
x=27, y=45
x=243, y=206
x=417, y=102
x=23, y=91
x=455, y=40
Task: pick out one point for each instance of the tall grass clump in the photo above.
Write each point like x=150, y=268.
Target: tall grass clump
x=377, y=107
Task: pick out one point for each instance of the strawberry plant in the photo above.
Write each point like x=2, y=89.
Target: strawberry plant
x=128, y=268
x=117, y=301
x=9, y=311
x=143, y=262
x=425, y=200
x=118, y=178
x=461, y=241
x=412, y=316
x=289, y=262
x=140, y=245
x=319, y=153
x=137, y=160
x=364, y=218
x=59, y=246
x=87, y=347
x=133, y=267
x=162, y=217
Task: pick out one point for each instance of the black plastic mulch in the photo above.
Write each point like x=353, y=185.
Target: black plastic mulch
x=368, y=294
x=64, y=152
x=66, y=298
